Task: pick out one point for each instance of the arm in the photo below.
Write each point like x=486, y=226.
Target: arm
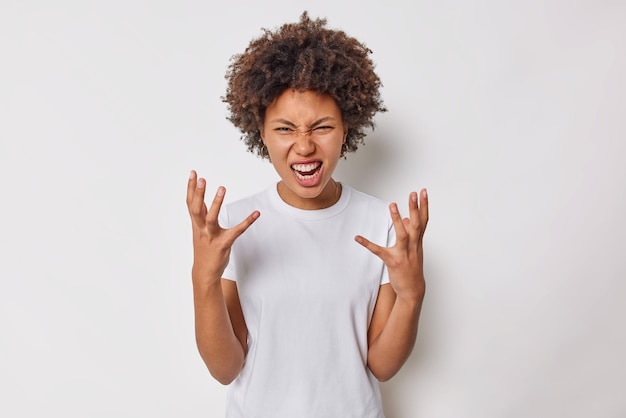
x=392, y=333
x=393, y=329
x=220, y=329
x=219, y=325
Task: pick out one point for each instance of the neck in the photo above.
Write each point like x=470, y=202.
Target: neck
x=329, y=196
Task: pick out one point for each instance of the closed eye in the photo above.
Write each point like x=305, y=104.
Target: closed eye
x=323, y=129
x=318, y=130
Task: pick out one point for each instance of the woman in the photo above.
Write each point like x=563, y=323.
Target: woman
x=298, y=318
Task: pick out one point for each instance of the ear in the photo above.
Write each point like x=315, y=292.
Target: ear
x=262, y=133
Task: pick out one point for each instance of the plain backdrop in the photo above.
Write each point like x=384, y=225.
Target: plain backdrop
x=511, y=113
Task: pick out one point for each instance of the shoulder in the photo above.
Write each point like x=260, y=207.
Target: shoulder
x=238, y=209
x=367, y=209
x=253, y=200
x=366, y=201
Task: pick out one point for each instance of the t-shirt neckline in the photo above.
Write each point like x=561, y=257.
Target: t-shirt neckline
x=328, y=212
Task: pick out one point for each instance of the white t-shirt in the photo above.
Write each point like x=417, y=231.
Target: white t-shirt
x=307, y=291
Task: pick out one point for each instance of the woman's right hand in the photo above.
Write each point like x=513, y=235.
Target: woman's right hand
x=211, y=243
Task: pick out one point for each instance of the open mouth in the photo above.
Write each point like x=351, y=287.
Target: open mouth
x=306, y=171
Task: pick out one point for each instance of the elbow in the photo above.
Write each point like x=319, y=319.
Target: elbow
x=224, y=375
x=385, y=368
x=383, y=375
x=384, y=378
x=224, y=370
x=223, y=378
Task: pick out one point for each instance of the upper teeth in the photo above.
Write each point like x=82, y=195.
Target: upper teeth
x=305, y=168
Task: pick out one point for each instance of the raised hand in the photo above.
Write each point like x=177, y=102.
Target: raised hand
x=211, y=242
x=405, y=260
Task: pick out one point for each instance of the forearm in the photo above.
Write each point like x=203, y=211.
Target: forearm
x=217, y=343
x=393, y=346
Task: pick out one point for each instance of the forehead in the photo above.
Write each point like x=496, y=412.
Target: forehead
x=303, y=106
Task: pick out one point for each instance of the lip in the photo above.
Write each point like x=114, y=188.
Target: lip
x=305, y=162
x=308, y=181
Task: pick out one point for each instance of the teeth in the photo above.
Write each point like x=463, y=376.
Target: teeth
x=305, y=168
x=303, y=177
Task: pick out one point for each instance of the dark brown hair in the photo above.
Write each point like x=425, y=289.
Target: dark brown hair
x=303, y=56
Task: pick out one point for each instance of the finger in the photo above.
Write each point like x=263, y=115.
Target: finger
x=374, y=248
x=242, y=226
x=414, y=212
x=191, y=187
x=398, y=224
x=216, y=205
x=424, y=208
x=197, y=207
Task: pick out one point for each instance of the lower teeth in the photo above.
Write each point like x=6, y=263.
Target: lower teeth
x=305, y=176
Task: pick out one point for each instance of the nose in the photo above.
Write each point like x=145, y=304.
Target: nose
x=304, y=144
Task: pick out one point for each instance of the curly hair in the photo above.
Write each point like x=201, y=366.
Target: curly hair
x=303, y=56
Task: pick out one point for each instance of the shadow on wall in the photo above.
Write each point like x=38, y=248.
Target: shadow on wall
x=371, y=166
x=383, y=161
x=378, y=168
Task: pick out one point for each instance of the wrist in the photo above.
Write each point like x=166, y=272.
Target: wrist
x=413, y=297
x=204, y=277
x=205, y=292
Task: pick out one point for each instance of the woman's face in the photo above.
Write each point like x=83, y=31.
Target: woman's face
x=303, y=133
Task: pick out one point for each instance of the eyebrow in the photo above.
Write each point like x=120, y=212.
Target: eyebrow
x=317, y=122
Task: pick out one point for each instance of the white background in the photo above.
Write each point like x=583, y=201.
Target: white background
x=512, y=114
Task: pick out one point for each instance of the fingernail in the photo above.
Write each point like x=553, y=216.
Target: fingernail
x=394, y=208
x=191, y=174
x=220, y=191
x=200, y=183
x=414, y=197
x=425, y=193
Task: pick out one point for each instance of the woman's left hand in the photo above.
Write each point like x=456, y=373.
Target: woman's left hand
x=405, y=260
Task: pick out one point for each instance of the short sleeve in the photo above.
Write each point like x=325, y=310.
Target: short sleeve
x=224, y=220
x=391, y=240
